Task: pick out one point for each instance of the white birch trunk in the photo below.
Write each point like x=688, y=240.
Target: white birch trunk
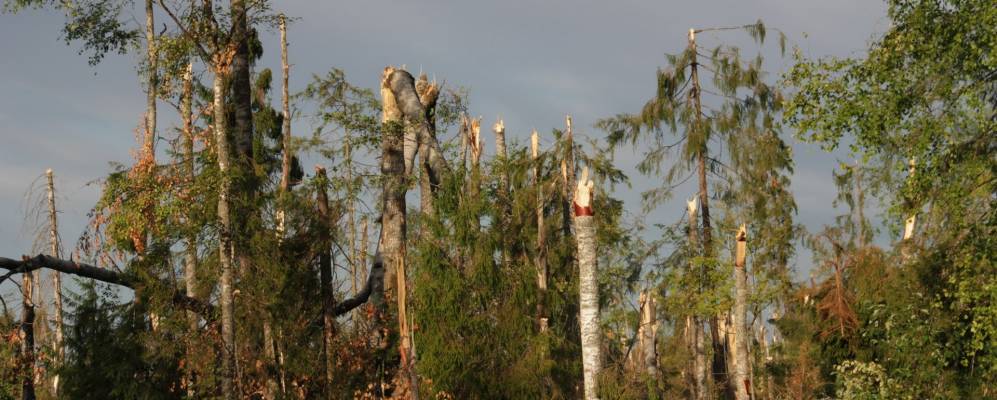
x=585, y=234
x=742, y=379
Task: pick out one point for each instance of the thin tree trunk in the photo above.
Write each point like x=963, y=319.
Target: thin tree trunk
x=56, y=277
x=28, y=336
x=742, y=379
x=285, y=170
x=503, y=197
x=588, y=286
x=568, y=176
x=719, y=349
x=149, y=142
x=190, y=252
x=541, y=236
x=325, y=273
x=225, y=243
x=363, y=248
x=476, y=146
x=694, y=323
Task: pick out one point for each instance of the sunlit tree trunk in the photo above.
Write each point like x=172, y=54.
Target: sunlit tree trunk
x=541, y=259
x=56, y=277
x=149, y=142
x=225, y=233
x=647, y=332
x=742, y=379
x=588, y=286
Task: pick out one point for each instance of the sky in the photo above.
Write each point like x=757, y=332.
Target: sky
x=530, y=62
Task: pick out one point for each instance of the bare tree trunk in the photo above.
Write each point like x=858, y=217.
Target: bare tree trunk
x=503, y=197
x=476, y=146
x=56, y=277
x=647, y=332
x=694, y=323
x=742, y=379
x=285, y=170
x=541, y=235
x=325, y=272
x=149, y=142
x=568, y=176
x=588, y=286
x=225, y=235
x=363, y=255
x=392, y=243
x=428, y=179
x=28, y=336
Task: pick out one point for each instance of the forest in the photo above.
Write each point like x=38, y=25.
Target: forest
x=406, y=248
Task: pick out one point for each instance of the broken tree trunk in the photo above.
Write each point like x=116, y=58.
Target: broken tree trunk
x=647, y=332
x=588, y=285
x=742, y=379
x=285, y=164
x=56, y=277
x=392, y=242
x=28, y=336
x=541, y=259
x=428, y=179
x=225, y=242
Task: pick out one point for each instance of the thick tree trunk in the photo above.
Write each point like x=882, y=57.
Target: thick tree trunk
x=225, y=241
x=646, y=356
x=392, y=242
x=742, y=379
x=325, y=277
x=588, y=285
x=149, y=142
x=694, y=323
x=541, y=260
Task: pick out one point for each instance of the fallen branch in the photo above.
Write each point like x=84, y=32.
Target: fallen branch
x=28, y=264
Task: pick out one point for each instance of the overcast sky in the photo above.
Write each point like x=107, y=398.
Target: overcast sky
x=529, y=62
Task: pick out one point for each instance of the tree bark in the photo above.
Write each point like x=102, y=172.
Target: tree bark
x=428, y=179
x=56, y=275
x=392, y=243
x=27, y=336
x=647, y=333
x=285, y=165
x=742, y=379
x=149, y=142
x=541, y=259
x=225, y=242
x=694, y=323
x=568, y=175
x=325, y=276
x=588, y=286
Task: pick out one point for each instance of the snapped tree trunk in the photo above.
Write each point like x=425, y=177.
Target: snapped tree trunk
x=646, y=356
x=225, y=242
x=541, y=257
x=27, y=336
x=56, y=275
x=286, y=154
x=392, y=242
x=588, y=286
x=742, y=378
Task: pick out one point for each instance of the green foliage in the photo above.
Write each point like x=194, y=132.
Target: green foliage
x=108, y=356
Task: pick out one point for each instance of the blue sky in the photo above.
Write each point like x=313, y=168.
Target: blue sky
x=528, y=62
